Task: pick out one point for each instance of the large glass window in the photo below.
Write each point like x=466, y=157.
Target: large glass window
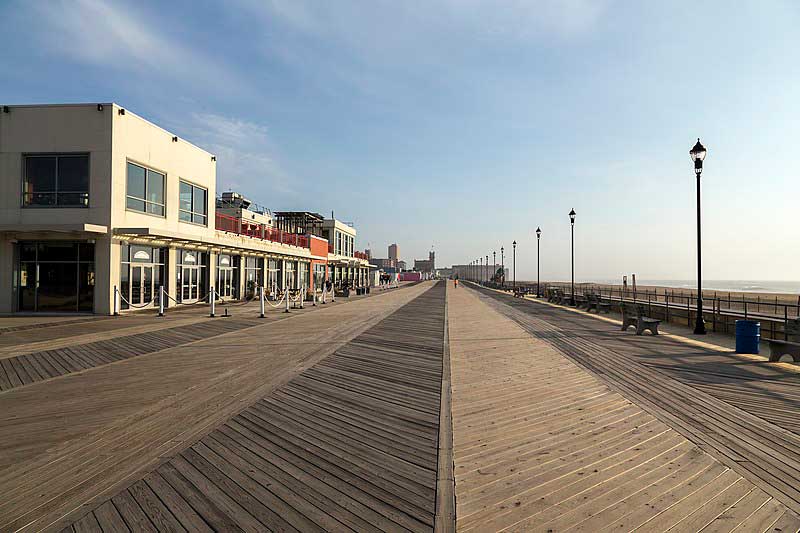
x=59, y=180
x=193, y=203
x=56, y=276
x=253, y=268
x=145, y=191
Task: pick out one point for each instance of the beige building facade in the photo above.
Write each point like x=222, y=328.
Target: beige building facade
x=100, y=208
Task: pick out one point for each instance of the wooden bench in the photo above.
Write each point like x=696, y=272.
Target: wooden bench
x=634, y=315
x=779, y=348
x=596, y=302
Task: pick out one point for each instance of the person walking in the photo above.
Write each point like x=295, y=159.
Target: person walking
x=455, y=283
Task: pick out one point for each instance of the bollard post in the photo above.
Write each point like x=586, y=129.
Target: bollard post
x=160, y=300
x=261, y=292
x=323, y=294
x=301, y=297
x=212, y=300
x=286, y=296
x=116, y=301
x=314, y=298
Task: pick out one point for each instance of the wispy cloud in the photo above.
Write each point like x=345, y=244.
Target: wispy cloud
x=115, y=35
x=246, y=157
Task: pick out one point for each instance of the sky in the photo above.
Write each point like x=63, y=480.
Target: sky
x=462, y=125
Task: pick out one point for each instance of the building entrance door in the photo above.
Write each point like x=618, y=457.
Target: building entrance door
x=142, y=290
x=190, y=284
x=226, y=283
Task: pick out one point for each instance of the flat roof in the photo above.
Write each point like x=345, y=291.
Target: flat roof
x=111, y=105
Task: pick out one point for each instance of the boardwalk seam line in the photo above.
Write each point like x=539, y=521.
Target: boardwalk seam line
x=445, y=518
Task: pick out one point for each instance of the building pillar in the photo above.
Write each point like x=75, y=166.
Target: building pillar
x=212, y=271
x=106, y=274
x=171, y=273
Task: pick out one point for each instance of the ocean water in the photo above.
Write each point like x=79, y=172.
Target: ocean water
x=737, y=285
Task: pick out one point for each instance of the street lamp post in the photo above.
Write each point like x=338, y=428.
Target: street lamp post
x=487, y=269
x=538, y=239
x=514, y=263
x=494, y=264
x=572, y=238
x=503, y=265
x=480, y=271
x=698, y=153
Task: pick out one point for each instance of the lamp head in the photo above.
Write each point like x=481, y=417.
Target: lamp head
x=698, y=154
x=572, y=216
x=538, y=233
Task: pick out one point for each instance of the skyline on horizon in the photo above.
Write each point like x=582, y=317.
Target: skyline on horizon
x=463, y=126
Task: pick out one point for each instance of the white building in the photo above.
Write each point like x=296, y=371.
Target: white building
x=94, y=197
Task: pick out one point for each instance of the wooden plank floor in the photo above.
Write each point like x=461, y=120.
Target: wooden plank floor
x=73, y=346
x=71, y=442
x=760, y=451
x=543, y=444
x=348, y=444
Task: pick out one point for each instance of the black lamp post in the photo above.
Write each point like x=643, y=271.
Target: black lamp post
x=494, y=264
x=538, y=238
x=480, y=270
x=503, y=264
x=487, y=269
x=572, y=238
x=698, y=153
x=514, y=245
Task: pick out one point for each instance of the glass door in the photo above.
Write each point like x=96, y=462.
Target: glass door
x=142, y=290
x=226, y=282
x=190, y=284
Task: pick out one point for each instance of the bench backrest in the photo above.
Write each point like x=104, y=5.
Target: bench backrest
x=630, y=309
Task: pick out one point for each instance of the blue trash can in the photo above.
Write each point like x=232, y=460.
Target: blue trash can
x=748, y=336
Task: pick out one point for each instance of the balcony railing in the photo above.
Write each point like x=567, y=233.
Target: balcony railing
x=259, y=231
x=357, y=255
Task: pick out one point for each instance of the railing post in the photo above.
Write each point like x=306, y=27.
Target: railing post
x=116, y=301
x=160, y=300
x=323, y=294
x=785, y=322
x=212, y=300
x=261, y=302
x=745, y=308
x=301, y=296
x=286, y=296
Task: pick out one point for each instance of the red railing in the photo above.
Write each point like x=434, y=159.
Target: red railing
x=259, y=231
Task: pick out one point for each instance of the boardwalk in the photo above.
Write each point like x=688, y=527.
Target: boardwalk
x=418, y=409
x=71, y=441
x=577, y=430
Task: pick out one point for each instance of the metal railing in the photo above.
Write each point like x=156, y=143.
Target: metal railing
x=255, y=230
x=720, y=309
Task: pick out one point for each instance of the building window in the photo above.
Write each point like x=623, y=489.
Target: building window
x=58, y=180
x=193, y=203
x=145, y=190
x=56, y=276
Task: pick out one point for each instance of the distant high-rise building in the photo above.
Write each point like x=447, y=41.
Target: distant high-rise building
x=368, y=252
x=394, y=252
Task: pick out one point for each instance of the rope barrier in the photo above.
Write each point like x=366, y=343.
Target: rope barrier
x=278, y=303
x=130, y=305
